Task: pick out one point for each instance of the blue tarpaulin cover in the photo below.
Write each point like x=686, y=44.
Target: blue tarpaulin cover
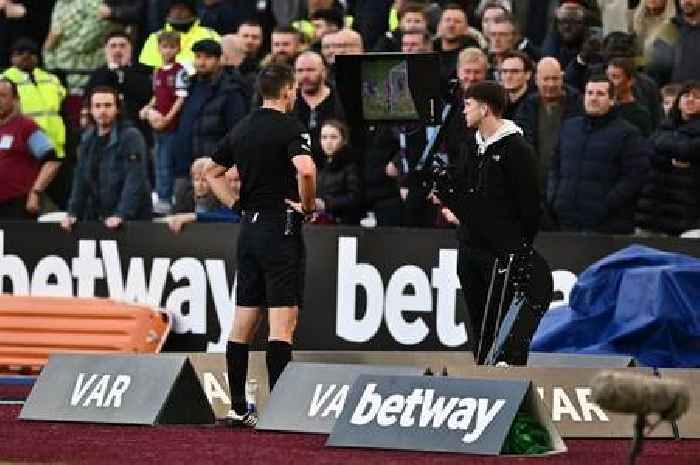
x=638, y=301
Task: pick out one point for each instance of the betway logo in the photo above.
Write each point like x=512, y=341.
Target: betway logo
x=408, y=290
x=422, y=409
x=53, y=276
x=180, y=285
x=393, y=304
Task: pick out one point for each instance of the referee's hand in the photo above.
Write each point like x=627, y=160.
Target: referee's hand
x=298, y=207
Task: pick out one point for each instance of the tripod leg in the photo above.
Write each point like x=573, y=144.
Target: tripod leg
x=527, y=307
x=502, y=301
x=487, y=310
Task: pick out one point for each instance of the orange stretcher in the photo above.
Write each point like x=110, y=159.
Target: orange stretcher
x=31, y=328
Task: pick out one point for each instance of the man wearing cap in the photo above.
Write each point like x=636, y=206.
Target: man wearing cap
x=495, y=196
x=182, y=17
x=216, y=102
x=40, y=92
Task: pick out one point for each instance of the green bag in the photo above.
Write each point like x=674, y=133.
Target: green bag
x=527, y=437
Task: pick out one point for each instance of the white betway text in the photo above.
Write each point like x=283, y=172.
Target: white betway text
x=187, y=302
x=409, y=291
x=423, y=409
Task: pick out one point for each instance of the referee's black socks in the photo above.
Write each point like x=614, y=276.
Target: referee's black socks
x=237, y=364
x=279, y=353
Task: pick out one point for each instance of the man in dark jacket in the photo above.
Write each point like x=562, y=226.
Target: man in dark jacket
x=132, y=80
x=620, y=71
x=316, y=101
x=515, y=70
x=250, y=37
x=216, y=102
x=599, y=166
x=110, y=183
x=541, y=114
x=452, y=38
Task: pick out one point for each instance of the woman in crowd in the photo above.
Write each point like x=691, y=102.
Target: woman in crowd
x=338, y=180
x=670, y=201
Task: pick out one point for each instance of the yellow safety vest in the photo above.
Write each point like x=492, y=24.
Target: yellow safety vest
x=41, y=100
x=393, y=19
x=307, y=28
x=151, y=56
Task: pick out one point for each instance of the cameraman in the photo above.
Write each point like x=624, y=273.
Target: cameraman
x=494, y=192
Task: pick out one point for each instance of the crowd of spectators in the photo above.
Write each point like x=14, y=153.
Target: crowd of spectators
x=109, y=109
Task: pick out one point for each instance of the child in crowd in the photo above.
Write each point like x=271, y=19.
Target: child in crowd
x=169, y=92
x=338, y=186
x=208, y=208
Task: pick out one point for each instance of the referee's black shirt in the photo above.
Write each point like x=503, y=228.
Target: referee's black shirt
x=262, y=146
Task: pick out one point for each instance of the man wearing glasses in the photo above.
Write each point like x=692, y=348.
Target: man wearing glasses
x=516, y=75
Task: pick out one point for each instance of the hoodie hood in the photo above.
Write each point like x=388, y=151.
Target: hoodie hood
x=508, y=128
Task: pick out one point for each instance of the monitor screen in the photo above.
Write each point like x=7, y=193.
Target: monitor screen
x=389, y=87
x=386, y=94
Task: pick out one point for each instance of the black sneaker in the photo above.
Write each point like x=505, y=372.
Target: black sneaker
x=248, y=419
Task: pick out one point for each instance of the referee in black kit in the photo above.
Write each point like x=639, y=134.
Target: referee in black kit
x=272, y=154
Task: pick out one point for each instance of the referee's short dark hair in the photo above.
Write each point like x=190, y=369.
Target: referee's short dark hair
x=491, y=93
x=272, y=79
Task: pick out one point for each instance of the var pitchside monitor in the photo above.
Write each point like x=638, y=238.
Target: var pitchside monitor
x=378, y=87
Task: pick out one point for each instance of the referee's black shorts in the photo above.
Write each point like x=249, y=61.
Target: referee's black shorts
x=270, y=263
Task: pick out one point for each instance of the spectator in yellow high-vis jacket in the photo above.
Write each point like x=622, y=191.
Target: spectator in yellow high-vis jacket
x=41, y=93
x=182, y=17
